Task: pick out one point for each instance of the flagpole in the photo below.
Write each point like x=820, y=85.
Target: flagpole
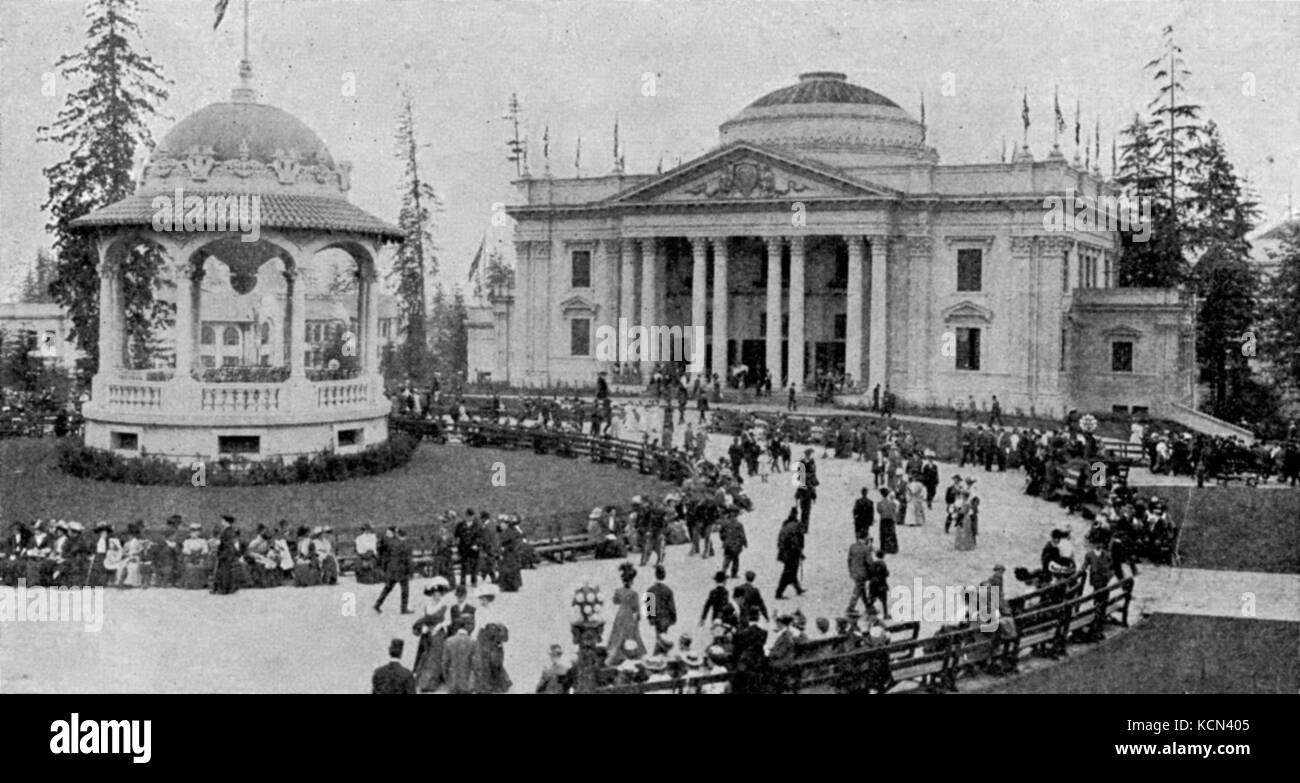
x=246, y=35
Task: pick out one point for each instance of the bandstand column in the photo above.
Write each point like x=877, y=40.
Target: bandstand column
x=796, y=310
x=774, y=247
x=853, y=321
x=876, y=360
x=184, y=328
x=297, y=324
x=371, y=343
x=720, y=303
x=109, y=358
x=699, y=292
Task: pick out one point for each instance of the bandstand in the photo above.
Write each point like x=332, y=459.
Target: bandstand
x=258, y=161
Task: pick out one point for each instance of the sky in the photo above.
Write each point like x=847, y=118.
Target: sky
x=670, y=72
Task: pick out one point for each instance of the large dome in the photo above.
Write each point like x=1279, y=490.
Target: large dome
x=824, y=117
x=224, y=127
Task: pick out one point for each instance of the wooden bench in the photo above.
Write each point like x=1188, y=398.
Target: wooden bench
x=566, y=548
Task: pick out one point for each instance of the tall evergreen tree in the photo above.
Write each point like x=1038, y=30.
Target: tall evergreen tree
x=449, y=329
x=1218, y=210
x=1281, y=310
x=415, y=261
x=102, y=124
x=1175, y=126
x=36, y=285
x=1147, y=258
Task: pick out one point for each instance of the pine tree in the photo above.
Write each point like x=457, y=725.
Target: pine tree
x=1219, y=212
x=498, y=277
x=1175, y=126
x=415, y=260
x=449, y=327
x=102, y=124
x=36, y=285
x=1281, y=310
x=1149, y=261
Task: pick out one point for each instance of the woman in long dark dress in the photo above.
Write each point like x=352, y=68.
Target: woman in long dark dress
x=432, y=630
x=509, y=575
x=627, y=622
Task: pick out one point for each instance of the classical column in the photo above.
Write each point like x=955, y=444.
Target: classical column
x=719, y=335
x=796, y=310
x=853, y=319
x=184, y=327
x=110, y=350
x=627, y=282
x=649, y=283
x=773, y=340
x=297, y=323
x=878, y=338
x=371, y=344
x=699, y=292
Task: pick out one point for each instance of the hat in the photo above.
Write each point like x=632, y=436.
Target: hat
x=999, y=568
x=556, y=651
x=806, y=452
x=693, y=660
x=630, y=645
x=395, y=648
x=194, y=527
x=439, y=583
x=655, y=663
x=636, y=500
x=595, y=513
x=488, y=590
x=720, y=577
x=61, y=524
x=327, y=529
x=105, y=526
x=228, y=518
x=629, y=666
x=76, y=527
x=174, y=520
x=717, y=654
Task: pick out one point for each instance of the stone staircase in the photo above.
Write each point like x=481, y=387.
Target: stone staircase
x=1205, y=423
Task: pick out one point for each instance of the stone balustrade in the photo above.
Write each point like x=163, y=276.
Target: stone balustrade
x=295, y=397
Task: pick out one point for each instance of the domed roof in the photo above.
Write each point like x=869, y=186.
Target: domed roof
x=226, y=127
x=823, y=87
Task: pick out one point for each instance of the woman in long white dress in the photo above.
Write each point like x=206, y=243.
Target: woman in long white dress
x=915, y=502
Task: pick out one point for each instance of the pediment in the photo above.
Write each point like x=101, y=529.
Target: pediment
x=1121, y=333
x=578, y=305
x=742, y=171
x=968, y=311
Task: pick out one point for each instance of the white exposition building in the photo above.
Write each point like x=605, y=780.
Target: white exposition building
x=823, y=235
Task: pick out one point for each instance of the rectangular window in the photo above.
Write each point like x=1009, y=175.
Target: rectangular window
x=239, y=444
x=841, y=279
x=351, y=437
x=266, y=360
x=841, y=326
x=229, y=361
x=581, y=269
x=1106, y=275
x=968, y=349
x=762, y=323
x=209, y=361
x=1065, y=272
x=1121, y=356
x=1122, y=410
x=125, y=441
x=580, y=337
x=970, y=262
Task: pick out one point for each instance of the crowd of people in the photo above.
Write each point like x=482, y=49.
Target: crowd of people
x=68, y=553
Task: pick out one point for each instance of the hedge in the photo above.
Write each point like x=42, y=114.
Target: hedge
x=83, y=461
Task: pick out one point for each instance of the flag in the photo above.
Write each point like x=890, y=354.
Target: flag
x=660, y=168
x=546, y=143
x=922, y=117
x=478, y=257
x=577, y=158
x=1024, y=115
x=1076, y=130
x=1096, y=142
x=616, y=140
x=1060, y=118
x=221, y=12
x=1003, y=156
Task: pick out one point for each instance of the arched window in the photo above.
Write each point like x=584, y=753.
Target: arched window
x=230, y=336
x=208, y=337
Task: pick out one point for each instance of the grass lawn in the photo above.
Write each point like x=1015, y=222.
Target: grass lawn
x=1176, y=653
x=1236, y=528
x=437, y=478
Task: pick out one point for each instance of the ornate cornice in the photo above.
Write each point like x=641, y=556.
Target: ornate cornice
x=287, y=171
x=985, y=240
x=968, y=311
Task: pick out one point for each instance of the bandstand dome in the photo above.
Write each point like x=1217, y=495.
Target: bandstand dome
x=825, y=117
x=263, y=402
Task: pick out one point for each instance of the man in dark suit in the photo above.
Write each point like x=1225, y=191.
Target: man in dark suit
x=468, y=546
x=398, y=567
x=661, y=607
x=806, y=492
x=749, y=659
x=228, y=547
x=789, y=551
x=459, y=659
x=748, y=598
x=462, y=612
x=930, y=478
x=859, y=571
x=864, y=515
x=732, y=534
x=393, y=677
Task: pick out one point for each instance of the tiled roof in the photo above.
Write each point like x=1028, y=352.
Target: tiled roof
x=822, y=87
x=278, y=210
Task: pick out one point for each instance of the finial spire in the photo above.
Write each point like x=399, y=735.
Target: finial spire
x=244, y=93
